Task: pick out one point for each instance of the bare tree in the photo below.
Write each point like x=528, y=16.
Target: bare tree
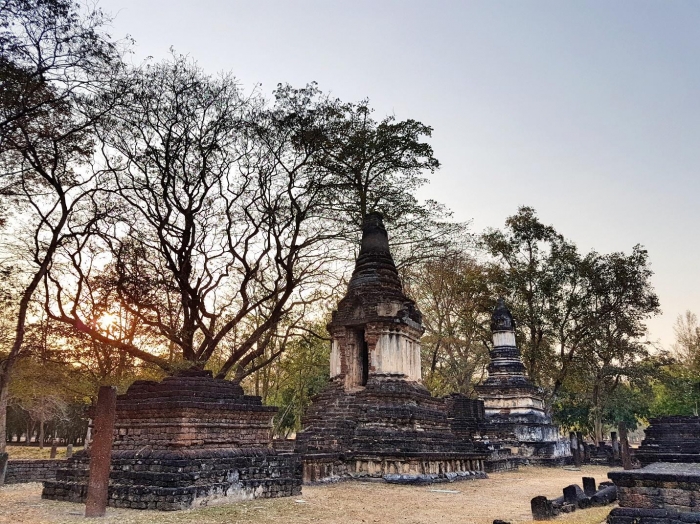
x=687, y=345
x=221, y=233
x=223, y=217
x=54, y=58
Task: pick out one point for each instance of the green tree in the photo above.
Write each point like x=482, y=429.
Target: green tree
x=677, y=388
x=291, y=381
x=541, y=274
x=581, y=319
x=452, y=292
x=677, y=392
x=613, y=352
x=375, y=165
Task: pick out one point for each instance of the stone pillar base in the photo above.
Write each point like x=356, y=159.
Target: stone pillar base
x=335, y=467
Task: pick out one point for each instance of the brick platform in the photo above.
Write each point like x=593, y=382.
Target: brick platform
x=667, y=489
x=26, y=470
x=187, y=441
x=173, y=480
x=660, y=493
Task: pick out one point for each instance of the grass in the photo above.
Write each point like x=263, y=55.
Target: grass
x=588, y=516
x=33, y=452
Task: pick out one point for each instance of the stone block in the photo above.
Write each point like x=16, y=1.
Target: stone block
x=589, y=486
x=542, y=508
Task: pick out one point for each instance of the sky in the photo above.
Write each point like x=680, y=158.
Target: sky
x=587, y=111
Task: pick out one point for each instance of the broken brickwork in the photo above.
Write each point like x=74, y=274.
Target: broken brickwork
x=667, y=489
x=191, y=411
x=30, y=470
x=187, y=441
x=375, y=418
x=670, y=439
x=660, y=493
x=465, y=415
x=183, y=479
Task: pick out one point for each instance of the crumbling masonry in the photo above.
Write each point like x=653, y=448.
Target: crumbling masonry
x=375, y=418
x=667, y=489
x=187, y=441
x=514, y=408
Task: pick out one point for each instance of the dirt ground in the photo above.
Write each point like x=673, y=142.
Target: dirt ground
x=503, y=496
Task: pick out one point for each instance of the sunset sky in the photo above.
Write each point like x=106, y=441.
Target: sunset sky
x=587, y=111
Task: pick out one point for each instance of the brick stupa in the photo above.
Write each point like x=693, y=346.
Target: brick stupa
x=375, y=418
x=187, y=441
x=513, y=406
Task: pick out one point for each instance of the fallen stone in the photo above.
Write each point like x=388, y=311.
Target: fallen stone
x=542, y=508
x=558, y=502
x=605, y=496
x=573, y=494
x=568, y=508
x=589, y=486
x=409, y=479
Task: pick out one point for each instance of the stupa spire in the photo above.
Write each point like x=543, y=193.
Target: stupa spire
x=506, y=366
x=375, y=266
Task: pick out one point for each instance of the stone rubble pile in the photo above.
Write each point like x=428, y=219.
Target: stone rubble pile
x=574, y=498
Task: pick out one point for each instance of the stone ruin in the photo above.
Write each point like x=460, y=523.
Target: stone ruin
x=467, y=418
x=192, y=440
x=667, y=489
x=187, y=441
x=573, y=498
x=515, y=416
x=375, y=419
x=670, y=439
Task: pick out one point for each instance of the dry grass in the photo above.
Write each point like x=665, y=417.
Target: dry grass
x=33, y=452
x=503, y=496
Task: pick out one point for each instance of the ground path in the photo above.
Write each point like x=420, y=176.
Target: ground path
x=503, y=496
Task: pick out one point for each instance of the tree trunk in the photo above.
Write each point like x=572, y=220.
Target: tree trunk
x=597, y=417
x=598, y=427
x=4, y=395
x=41, y=432
x=624, y=447
x=88, y=435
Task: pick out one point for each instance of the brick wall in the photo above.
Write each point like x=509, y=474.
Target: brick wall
x=19, y=471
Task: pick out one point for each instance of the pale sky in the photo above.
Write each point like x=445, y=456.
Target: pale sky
x=587, y=111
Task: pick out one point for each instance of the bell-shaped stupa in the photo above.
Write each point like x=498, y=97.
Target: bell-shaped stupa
x=513, y=407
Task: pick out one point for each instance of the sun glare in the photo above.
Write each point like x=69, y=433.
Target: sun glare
x=107, y=320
